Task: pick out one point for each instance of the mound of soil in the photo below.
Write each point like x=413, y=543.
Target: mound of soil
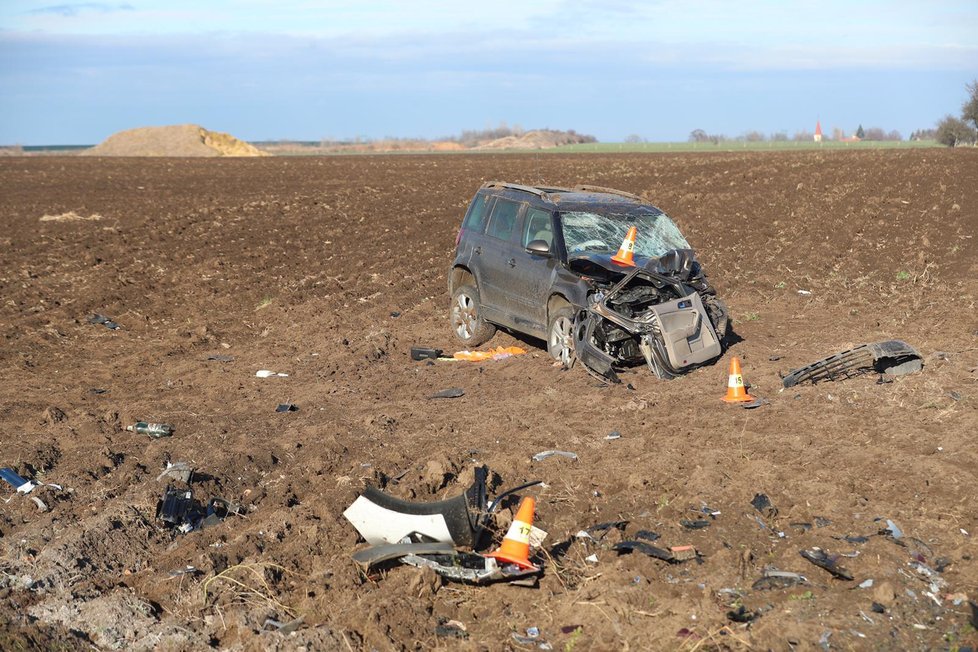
x=174, y=140
x=536, y=139
x=330, y=269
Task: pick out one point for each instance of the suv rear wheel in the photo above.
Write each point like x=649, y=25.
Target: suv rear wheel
x=467, y=322
x=560, y=336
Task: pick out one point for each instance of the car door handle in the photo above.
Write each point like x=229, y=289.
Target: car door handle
x=511, y=262
x=478, y=251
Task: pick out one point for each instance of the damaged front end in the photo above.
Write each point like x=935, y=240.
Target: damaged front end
x=664, y=313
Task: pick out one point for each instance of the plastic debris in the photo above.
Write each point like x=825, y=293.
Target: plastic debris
x=695, y=525
x=451, y=392
x=287, y=407
x=542, y=455
x=775, y=579
x=180, y=509
x=179, y=471
x=648, y=535
x=423, y=353
x=826, y=562
x=220, y=358
x=20, y=484
x=97, y=319
x=742, y=615
x=283, y=628
x=267, y=373
x=891, y=529
x=614, y=434
x=498, y=353
x=451, y=629
x=626, y=547
x=866, y=584
x=763, y=504
x=40, y=503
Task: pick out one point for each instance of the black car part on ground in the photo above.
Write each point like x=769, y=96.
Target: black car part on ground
x=179, y=508
x=382, y=518
x=892, y=357
x=664, y=313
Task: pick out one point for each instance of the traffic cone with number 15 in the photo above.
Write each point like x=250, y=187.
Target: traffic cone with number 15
x=515, y=548
x=736, y=391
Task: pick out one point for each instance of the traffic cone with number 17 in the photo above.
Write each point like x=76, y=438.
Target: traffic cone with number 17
x=736, y=391
x=515, y=548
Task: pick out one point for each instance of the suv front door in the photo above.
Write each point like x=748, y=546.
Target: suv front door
x=532, y=274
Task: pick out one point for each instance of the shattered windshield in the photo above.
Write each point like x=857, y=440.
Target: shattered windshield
x=603, y=229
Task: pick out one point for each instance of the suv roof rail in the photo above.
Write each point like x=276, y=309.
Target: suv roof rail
x=514, y=186
x=610, y=191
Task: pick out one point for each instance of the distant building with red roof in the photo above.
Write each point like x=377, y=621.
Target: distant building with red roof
x=818, y=131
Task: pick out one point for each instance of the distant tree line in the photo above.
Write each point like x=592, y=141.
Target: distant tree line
x=955, y=132
x=473, y=137
x=873, y=133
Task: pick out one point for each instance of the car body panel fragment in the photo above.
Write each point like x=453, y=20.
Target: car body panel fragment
x=381, y=518
x=891, y=357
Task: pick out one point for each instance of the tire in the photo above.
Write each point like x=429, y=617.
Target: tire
x=466, y=317
x=560, y=336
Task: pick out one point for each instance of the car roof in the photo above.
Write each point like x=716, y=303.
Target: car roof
x=580, y=196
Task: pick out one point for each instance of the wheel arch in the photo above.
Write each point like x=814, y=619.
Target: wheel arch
x=458, y=276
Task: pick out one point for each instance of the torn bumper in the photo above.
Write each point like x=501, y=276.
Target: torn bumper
x=891, y=357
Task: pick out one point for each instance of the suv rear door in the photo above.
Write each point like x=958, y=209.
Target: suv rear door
x=494, y=258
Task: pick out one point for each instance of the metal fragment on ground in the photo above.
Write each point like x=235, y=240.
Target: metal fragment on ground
x=179, y=471
x=470, y=568
x=385, y=552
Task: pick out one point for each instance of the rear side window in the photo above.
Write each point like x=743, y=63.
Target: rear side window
x=503, y=220
x=538, y=227
x=475, y=219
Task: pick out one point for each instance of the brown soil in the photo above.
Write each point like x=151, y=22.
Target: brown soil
x=175, y=140
x=330, y=269
x=536, y=139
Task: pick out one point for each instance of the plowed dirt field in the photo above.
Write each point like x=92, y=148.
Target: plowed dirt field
x=330, y=269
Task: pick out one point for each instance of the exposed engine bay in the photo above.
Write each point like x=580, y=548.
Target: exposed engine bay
x=664, y=313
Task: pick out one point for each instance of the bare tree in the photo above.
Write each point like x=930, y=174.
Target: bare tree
x=969, y=112
x=698, y=136
x=894, y=135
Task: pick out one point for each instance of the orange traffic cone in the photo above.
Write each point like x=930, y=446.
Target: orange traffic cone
x=515, y=548
x=736, y=392
x=626, y=253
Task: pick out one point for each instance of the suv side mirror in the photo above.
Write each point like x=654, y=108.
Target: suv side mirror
x=538, y=247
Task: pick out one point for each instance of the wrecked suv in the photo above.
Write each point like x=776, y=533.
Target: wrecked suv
x=539, y=260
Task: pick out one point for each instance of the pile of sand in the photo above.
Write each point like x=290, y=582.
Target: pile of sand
x=174, y=140
x=537, y=139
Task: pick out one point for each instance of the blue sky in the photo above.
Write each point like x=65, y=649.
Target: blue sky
x=76, y=72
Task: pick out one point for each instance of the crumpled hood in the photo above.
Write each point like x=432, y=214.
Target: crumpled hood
x=680, y=263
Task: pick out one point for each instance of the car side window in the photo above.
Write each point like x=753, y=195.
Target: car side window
x=538, y=227
x=502, y=222
x=475, y=219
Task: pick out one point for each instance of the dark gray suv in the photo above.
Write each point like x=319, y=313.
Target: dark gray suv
x=540, y=261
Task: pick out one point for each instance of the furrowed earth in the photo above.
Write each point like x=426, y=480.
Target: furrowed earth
x=331, y=269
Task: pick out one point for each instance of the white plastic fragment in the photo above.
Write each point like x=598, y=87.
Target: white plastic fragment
x=266, y=373
x=592, y=558
x=542, y=455
x=40, y=503
x=866, y=584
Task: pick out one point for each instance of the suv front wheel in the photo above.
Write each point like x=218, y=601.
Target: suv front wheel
x=467, y=322
x=560, y=336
